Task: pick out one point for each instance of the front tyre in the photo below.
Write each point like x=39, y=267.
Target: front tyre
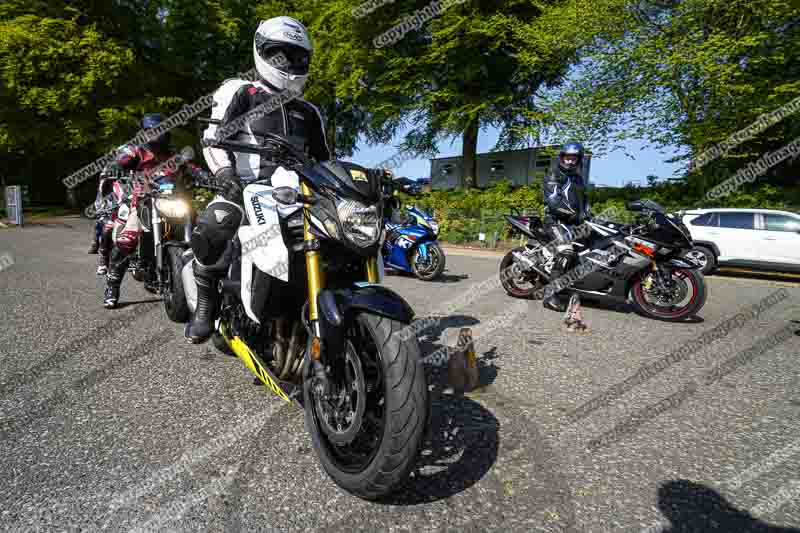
x=138, y=272
x=682, y=298
x=433, y=268
x=174, y=297
x=221, y=344
x=367, y=427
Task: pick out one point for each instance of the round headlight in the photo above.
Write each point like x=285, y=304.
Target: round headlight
x=172, y=208
x=361, y=223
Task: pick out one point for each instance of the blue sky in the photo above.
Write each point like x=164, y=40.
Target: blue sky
x=615, y=168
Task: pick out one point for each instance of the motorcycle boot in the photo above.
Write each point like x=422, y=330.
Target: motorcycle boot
x=564, y=259
x=116, y=272
x=104, y=251
x=97, y=233
x=200, y=328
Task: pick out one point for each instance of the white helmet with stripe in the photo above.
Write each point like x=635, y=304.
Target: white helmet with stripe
x=282, y=51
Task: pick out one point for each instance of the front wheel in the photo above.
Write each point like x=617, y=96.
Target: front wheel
x=174, y=297
x=138, y=271
x=430, y=268
x=679, y=297
x=367, y=425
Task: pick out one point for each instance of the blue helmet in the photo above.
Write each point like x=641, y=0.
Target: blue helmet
x=153, y=120
x=570, y=158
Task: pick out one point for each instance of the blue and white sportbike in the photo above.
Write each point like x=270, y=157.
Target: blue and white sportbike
x=411, y=245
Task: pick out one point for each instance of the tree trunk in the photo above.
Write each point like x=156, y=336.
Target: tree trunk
x=469, y=151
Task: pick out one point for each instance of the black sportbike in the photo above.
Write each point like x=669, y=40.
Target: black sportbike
x=639, y=263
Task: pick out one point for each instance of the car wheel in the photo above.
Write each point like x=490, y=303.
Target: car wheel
x=704, y=257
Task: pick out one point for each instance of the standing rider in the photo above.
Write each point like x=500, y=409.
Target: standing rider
x=282, y=51
x=566, y=205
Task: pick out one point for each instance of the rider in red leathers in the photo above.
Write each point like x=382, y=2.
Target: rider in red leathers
x=143, y=161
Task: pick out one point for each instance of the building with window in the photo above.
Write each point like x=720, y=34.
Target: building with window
x=520, y=167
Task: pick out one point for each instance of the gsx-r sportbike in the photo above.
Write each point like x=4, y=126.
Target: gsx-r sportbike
x=411, y=246
x=165, y=213
x=639, y=263
x=302, y=308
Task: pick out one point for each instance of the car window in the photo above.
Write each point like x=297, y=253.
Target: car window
x=704, y=220
x=782, y=223
x=736, y=220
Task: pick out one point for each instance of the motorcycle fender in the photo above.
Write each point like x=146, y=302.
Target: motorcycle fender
x=422, y=245
x=336, y=307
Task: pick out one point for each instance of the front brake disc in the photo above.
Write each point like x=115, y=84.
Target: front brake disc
x=339, y=419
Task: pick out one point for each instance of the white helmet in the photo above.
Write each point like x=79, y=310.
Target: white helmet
x=282, y=51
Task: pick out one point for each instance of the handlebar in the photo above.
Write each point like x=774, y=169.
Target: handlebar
x=275, y=146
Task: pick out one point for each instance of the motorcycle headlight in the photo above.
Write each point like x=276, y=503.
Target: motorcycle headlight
x=361, y=223
x=172, y=208
x=434, y=226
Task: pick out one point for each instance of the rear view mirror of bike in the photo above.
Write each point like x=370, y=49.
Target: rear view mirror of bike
x=285, y=195
x=289, y=196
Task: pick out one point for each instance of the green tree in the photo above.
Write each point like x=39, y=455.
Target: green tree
x=688, y=75
x=478, y=64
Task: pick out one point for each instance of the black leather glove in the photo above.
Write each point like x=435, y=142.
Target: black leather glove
x=230, y=185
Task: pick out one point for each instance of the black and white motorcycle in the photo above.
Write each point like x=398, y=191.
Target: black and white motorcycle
x=641, y=264
x=303, y=309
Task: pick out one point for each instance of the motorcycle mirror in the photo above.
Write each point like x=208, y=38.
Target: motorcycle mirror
x=285, y=195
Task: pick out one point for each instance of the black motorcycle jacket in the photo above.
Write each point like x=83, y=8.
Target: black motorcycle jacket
x=297, y=121
x=566, y=198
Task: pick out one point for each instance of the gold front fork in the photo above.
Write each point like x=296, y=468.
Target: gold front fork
x=316, y=277
x=372, y=269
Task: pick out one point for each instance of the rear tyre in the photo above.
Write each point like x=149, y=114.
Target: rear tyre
x=380, y=412
x=517, y=283
x=436, y=265
x=691, y=284
x=174, y=297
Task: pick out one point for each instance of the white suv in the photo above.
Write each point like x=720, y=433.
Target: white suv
x=754, y=238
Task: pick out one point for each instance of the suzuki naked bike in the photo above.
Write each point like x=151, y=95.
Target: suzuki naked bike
x=640, y=264
x=412, y=246
x=166, y=217
x=303, y=309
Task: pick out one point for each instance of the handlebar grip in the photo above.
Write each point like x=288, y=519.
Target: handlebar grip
x=236, y=146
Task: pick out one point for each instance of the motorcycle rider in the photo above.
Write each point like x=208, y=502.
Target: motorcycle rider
x=140, y=159
x=282, y=53
x=566, y=205
x=393, y=212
